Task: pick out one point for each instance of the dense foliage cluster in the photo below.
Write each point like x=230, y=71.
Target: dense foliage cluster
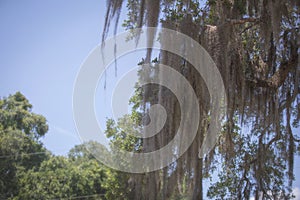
x=29, y=171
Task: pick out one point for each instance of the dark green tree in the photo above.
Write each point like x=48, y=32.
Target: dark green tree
x=121, y=185
x=20, y=148
x=60, y=177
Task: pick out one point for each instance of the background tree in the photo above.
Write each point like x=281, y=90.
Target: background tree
x=121, y=134
x=60, y=177
x=20, y=148
x=29, y=171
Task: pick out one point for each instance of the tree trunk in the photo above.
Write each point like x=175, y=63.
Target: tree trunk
x=198, y=187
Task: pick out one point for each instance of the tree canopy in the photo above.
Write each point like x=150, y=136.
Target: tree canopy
x=20, y=148
x=255, y=45
x=29, y=171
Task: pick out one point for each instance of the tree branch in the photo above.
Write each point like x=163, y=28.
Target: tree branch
x=288, y=101
x=278, y=78
x=242, y=21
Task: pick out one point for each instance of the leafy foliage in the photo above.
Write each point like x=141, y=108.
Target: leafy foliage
x=20, y=148
x=29, y=171
x=60, y=178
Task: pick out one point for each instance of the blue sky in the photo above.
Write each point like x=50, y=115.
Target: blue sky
x=42, y=45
